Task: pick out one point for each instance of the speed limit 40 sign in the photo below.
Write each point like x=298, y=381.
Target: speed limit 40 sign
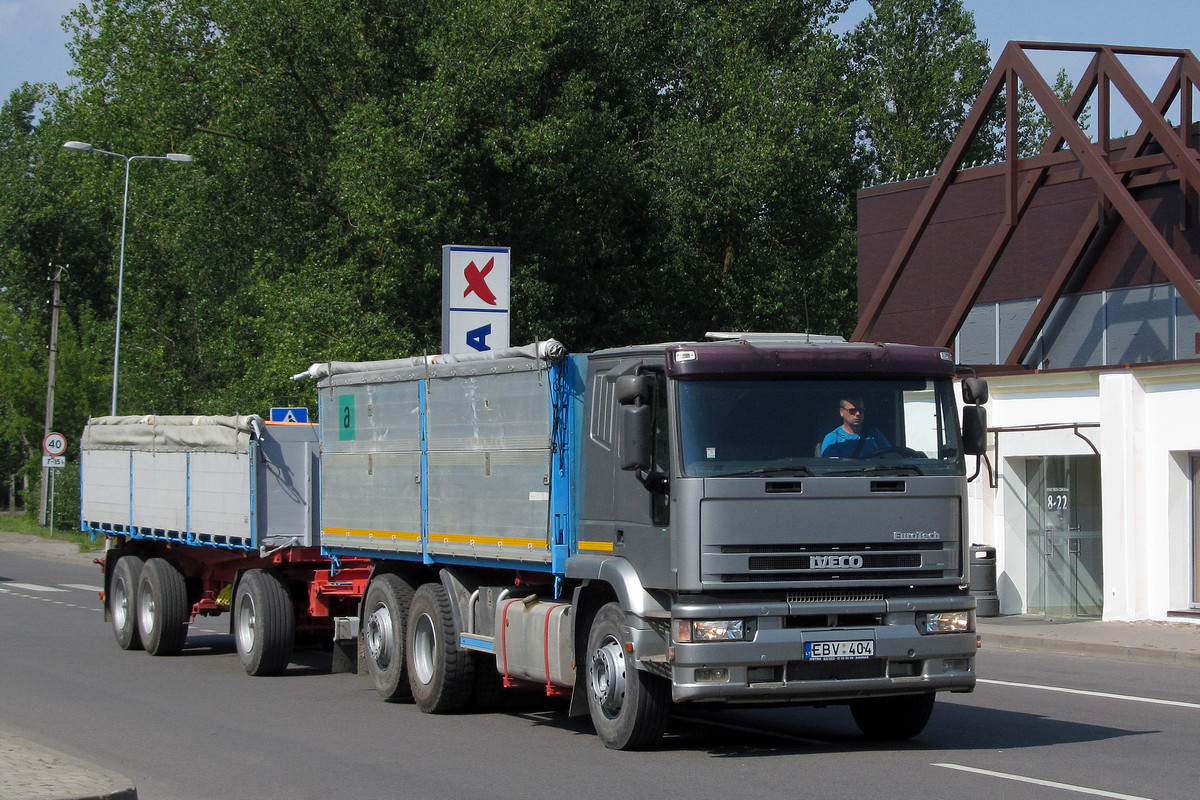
x=55, y=444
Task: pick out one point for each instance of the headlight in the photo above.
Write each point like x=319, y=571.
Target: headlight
x=710, y=630
x=946, y=622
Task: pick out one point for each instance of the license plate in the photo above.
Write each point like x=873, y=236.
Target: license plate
x=839, y=651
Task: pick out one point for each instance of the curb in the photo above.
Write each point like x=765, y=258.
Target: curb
x=33, y=772
x=1143, y=654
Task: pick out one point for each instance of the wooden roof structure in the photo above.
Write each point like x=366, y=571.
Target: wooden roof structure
x=1158, y=154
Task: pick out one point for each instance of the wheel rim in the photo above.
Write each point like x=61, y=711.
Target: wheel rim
x=245, y=624
x=424, y=642
x=119, y=604
x=379, y=636
x=147, y=613
x=608, y=677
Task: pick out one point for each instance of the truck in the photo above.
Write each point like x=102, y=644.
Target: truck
x=634, y=529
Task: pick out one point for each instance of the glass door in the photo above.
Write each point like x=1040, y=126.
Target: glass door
x=1063, y=548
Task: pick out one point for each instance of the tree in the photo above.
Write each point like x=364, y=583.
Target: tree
x=660, y=169
x=1034, y=127
x=754, y=167
x=921, y=67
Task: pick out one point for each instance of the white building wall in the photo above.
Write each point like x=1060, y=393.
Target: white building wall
x=1140, y=421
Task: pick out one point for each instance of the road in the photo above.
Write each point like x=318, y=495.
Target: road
x=196, y=727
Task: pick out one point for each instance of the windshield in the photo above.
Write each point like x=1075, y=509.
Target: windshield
x=818, y=427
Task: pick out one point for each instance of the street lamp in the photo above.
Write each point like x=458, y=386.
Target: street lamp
x=87, y=148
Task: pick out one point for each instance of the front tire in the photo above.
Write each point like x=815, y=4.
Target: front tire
x=264, y=623
x=893, y=719
x=162, y=608
x=440, y=673
x=629, y=707
x=385, y=616
x=122, y=601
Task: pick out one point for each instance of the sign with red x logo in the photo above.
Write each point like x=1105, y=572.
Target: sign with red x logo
x=475, y=298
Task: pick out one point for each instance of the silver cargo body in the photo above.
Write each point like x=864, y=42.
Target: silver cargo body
x=440, y=461
x=220, y=481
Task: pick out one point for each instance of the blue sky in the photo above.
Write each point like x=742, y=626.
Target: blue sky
x=33, y=43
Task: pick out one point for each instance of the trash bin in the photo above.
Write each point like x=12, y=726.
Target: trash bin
x=983, y=580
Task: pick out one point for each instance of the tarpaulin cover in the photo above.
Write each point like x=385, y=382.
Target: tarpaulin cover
x=548, y=350
x=172, y=434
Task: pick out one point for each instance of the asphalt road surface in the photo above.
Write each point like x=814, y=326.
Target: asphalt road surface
x=196, y=727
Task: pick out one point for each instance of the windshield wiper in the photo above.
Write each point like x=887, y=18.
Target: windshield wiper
x=890, y=469
x=750, y=473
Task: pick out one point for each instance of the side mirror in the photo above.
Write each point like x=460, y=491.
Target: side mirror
x=637, y=429
x=974, y=430
x=634, y=389
x=634, y=393
x=974, y=391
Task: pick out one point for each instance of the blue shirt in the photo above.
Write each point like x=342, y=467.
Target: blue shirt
x=839, y=444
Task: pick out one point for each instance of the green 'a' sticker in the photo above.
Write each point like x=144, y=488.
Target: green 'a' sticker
x=346, y=417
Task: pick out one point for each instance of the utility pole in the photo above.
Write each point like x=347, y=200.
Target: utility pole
x=53, y=363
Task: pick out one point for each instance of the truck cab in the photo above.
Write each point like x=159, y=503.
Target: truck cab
x=763, y=558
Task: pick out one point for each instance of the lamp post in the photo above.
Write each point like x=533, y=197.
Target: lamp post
x=178, y=157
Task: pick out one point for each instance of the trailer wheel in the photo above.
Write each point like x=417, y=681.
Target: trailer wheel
x=440, y=673
x=385, y=613
x=629, y=707
x=162, y=608
x=893, y=719
x=122, y=601
x=264, y=623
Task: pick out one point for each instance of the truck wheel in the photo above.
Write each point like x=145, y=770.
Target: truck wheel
x=893, y=719
x=629, y=707
x=122, y=601
x=162, y=608
x=440, y=673
x=385, y=613
x=264, y=623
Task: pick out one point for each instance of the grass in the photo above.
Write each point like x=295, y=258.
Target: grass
x=20, y=522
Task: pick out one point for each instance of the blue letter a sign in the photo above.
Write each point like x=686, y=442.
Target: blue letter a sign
x=477, y=338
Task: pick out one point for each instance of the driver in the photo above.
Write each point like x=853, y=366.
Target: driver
x=852, y=439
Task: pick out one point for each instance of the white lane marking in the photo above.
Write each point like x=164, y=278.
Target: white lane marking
x=1085, y=693
x=83, y=587
x=5, y=588
x=1069, y=787
x=34, y=587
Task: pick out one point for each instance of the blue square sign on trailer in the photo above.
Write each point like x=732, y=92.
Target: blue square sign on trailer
x=289, y=415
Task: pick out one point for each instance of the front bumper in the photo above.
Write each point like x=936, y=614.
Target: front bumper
x=770, y=667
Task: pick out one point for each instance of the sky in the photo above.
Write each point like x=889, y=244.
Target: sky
x=33, y=45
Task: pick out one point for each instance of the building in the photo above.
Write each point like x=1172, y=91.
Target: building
x=1068, y=277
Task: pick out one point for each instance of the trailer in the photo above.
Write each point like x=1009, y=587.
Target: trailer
x=635, y=529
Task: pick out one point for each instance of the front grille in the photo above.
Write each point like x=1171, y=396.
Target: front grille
x=865, y=547
x=835, y=596
x=849, y=575
x=826, y=562
x=835, y=670
x=869, y=561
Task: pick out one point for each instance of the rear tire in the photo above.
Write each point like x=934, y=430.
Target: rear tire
x=162, y=608
x=385, y=616
x=440, y=673
x=122, y=601
x=264, y=623
x=630, y=708
x=893, y=719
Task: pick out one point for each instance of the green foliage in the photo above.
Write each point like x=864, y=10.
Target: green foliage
x=1033, y=126
x=921, y=68
x=659, y=168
